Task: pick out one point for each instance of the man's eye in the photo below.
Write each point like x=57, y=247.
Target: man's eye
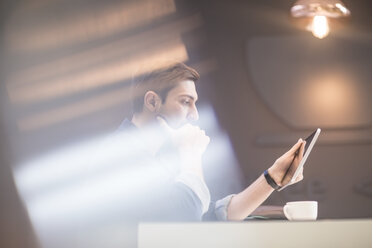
x=186, y=102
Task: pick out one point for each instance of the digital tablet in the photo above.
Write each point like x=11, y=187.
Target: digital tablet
x=310, y=141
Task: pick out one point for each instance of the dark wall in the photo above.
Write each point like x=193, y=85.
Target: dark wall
x=263, y=104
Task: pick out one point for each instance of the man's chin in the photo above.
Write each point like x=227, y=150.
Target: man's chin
x=175, y=123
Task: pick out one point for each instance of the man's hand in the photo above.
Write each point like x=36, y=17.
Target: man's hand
x=285, y=166
x=189, y=139
x=191, y=142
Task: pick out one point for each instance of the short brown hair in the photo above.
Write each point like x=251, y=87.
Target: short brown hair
x=160, y=81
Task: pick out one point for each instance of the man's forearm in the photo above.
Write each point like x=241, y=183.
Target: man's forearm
x=244, y=203
x=248, y=200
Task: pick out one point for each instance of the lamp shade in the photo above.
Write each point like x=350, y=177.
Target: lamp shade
x=328, y=8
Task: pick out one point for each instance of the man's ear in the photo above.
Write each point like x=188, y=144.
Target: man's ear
x=152, y=101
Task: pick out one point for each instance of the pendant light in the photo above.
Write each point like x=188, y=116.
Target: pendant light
x=318, y=13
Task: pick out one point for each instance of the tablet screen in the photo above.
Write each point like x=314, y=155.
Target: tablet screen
x=308, y=140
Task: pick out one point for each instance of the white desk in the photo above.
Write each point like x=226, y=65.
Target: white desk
x=321, y=233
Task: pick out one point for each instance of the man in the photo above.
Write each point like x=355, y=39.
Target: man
x=166, y=99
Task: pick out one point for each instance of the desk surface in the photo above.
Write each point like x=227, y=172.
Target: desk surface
x=321, y=233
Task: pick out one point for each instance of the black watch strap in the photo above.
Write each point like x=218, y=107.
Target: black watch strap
x=270, y=180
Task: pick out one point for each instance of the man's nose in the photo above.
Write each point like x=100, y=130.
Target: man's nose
x=193, y=114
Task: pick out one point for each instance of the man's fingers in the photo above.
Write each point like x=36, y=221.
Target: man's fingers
x=300, y=176
x=296, y=147
x=302, y=150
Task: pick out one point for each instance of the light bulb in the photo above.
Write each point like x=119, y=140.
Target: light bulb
x=319, y=27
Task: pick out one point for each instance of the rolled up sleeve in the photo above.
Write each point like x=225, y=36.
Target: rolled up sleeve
x=221, y=206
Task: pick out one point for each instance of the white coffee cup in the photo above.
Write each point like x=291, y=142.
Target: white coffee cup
x=301, y=210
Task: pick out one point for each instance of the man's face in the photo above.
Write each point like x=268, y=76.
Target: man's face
x=179, y=106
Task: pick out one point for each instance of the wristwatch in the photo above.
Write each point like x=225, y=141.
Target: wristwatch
x=270, y=180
